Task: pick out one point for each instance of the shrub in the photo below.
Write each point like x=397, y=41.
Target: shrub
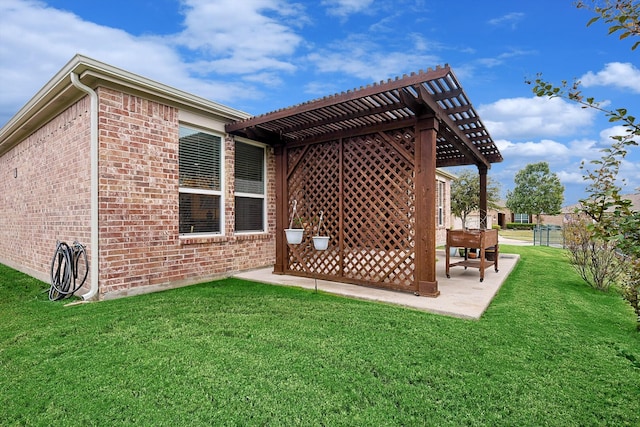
x=631, y=285
x=594, y=259
x=520, y=226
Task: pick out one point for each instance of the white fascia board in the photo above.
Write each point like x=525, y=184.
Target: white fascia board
x=58, y=93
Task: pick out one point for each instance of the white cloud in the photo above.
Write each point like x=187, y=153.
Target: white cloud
x=321, y=88
x=623, y=75
x=627, y=179
x=38, y=40
x=545, y=149
x=241, y=36
x=510, y=19
x=534, y=118
x=607, y=134
x=361, y=57
x=343, y=8
x=503, y=57
x=629, y=172
x=253, y=39
x=571, y=176
x=359, y=64
x=585, y=148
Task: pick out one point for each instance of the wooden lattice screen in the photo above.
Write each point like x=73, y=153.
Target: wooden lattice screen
x=365, y=187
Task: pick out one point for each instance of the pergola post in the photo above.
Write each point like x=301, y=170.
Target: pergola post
x=425, y=225
x=483, y=196
x=282, y=207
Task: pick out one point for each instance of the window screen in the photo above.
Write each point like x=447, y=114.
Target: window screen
x=249, y=168
x=249, y=187
x=199, y=159
x=200, y=171
x=249, y=214
x=199, y=213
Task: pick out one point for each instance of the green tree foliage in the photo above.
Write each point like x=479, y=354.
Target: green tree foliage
x=621, y=15
x=613, y=221
x=537, y=191
x=465, y=194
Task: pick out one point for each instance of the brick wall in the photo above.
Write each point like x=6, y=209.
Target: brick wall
x=140, y=247
x=45, y=192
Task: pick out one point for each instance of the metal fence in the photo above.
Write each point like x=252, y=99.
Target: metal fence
x=548, y=235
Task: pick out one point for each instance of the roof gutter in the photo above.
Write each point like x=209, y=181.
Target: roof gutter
x=95, y=259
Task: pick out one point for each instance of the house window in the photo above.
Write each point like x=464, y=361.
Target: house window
x=200, y=165
x=440, y=203
x=521, y=218
x=250, y=187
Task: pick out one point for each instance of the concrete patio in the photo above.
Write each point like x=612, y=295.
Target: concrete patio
x=462, y=295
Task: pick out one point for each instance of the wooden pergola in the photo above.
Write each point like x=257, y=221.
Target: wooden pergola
x=367, y=159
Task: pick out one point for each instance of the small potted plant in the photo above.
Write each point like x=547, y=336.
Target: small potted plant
x=321, y=243
x=294, y=235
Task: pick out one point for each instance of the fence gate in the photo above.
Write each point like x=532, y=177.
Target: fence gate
x=548, y=235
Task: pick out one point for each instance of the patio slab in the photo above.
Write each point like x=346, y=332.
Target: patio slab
x=463, y=295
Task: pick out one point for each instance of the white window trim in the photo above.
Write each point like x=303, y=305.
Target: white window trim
x=440, y=202
x=223, y=182
x=262, y=196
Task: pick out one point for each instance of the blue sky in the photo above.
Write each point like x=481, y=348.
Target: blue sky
x=262, y=55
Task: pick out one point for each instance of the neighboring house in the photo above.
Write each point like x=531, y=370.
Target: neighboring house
x=444, y=218
x=502, y=215
x=157, y=187
x=568, y=211
x=495, y=216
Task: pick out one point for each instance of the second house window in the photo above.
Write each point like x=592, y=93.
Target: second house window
x=249, y=187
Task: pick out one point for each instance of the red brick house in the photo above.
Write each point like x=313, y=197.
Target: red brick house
x=148, y=177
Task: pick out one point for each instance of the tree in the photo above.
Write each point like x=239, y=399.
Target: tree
x=537, y=191
x=465, y=194
x=613, y=219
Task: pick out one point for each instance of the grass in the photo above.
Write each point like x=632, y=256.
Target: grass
x=526, y=235
x=549, y=351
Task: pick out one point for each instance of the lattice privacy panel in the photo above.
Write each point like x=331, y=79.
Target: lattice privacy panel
x=364, y=186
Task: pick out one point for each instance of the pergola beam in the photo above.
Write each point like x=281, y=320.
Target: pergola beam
x=478, y=158
x=363, y=92
x=382, y=106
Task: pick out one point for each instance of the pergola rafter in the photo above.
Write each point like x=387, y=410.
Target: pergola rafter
x=379, y=104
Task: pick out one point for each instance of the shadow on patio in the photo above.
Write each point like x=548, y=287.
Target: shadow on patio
x=463, y=295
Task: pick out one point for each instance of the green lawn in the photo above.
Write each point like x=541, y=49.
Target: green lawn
x=549, y=351
x=526, y=235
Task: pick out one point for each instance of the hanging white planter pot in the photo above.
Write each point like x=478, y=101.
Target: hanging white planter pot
x=321, y=243
x=294, y=235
